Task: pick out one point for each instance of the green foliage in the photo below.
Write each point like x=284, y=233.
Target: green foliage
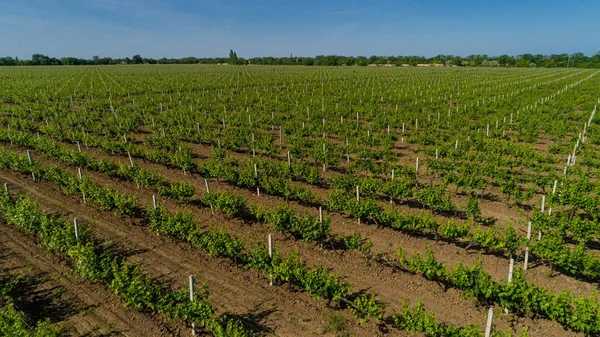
x=472, y=209
x=13, y=323
x=353, y=241
x=179, y=225
x=399, y=188
x=178, y=190
x=579, y=314
x=434, y=199
x=418, y=321
x=220, y=243
x=284, y=219
x=366, y=306
x=124, y=279
x=227, y=202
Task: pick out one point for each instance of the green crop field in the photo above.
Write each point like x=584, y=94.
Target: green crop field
x=396, y=200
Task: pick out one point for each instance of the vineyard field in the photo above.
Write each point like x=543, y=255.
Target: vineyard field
x=299, y=201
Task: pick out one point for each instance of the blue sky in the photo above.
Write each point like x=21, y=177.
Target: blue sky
x=156, y=28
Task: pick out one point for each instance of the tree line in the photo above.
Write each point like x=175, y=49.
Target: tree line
x=577, y=60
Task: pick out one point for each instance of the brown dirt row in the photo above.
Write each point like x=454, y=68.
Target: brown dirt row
x=384, y=239
x=351, y=266
x=233, y=290
x=81, y=307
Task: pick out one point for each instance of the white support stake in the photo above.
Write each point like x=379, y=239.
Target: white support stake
x=270, y=243
x=357, y=193
x=130, y=159
x=76, y=229
x=320, y=214
x=543, y=203
x=488, y=326
x=526, y=260
x=511, y=266
x=417, y=166
x=154, y=200
x=192, y=300
x=78, y=145
x=206, y=184
x=30, y=163
x=79, y=172
x=256, y=175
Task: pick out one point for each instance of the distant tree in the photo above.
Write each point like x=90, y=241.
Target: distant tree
x=506, y=60
x=40, y=60
x=8, y=61
x=188, y=60
x=307, y=61
x=255, y=60
x=70, y=61
x=232, y=57
x=522, y=63
x=106, y=60
x=578, y=60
